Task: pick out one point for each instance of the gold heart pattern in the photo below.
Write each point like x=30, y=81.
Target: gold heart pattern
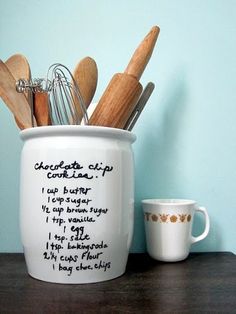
x=164, y=218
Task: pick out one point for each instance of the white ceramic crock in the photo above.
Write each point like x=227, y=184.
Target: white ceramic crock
x=76, y=202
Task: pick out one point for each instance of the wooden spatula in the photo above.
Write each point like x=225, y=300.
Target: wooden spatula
x=15, y=101
x=20, y=69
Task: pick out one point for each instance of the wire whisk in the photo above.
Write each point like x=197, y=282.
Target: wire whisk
x=65, y=101
x=64, y=96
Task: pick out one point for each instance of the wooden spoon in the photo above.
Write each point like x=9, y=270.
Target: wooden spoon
x=86, y=76
x=20, y=69
x=15, y=101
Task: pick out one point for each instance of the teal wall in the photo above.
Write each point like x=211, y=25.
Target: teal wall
x=186, y=136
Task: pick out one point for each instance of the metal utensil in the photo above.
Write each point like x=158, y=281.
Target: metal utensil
x=64, y=94
x=139, y=106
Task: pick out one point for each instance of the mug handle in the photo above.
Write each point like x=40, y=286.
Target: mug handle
x=207, y=225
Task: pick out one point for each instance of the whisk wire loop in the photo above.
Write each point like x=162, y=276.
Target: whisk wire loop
x=63, y=96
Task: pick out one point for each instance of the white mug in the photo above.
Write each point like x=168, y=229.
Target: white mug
x=168, y=227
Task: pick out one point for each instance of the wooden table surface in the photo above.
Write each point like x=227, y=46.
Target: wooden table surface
x=205, y=282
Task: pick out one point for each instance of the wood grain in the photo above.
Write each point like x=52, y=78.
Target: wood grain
x=203, y=283
x=16, y=102
x=143, y=54
x=120, y=97
x=117, y=102
x=41, y=109
x=86, y=76
x=19, y=67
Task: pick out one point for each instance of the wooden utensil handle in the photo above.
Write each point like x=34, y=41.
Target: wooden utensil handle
x=41, y=109
x=142, y=54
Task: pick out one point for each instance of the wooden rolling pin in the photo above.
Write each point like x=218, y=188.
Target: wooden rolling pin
x=124, y=89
